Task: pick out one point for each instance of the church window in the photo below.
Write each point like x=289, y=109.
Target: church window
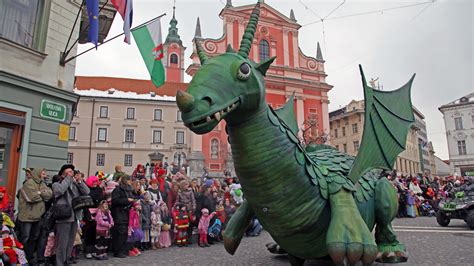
x=214, y=149
x=173, y=59
x=264, y=50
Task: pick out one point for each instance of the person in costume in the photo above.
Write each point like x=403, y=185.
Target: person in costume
x=5, y=204
x=138, y=172
x=181, y=226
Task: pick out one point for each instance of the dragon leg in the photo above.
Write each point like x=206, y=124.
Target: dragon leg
x=386, y=207
x=236, y=227
x=348, y=235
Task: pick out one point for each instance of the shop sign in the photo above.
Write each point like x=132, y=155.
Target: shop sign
x=53, y=111
x=63, y=132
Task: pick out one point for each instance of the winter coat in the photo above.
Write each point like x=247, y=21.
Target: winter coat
x=187, y=199
x=101, y=220
x=33, y=196
x=120, y=204
x=181, y=221
x=66, y=190
x=134, y=219
x=97, y=195
x=146, y=215
x=204, y=223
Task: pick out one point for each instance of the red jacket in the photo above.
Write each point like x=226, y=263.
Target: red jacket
x=11, y=242
x=181, y=222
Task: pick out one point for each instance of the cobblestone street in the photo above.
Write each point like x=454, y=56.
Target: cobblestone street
x=427, y=244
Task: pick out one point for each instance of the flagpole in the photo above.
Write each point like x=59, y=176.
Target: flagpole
x=113, y=38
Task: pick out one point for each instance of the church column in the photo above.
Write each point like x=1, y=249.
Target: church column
x=299, y=111
x=286, y=56
x=229, y=30
x=296, y=55
x=325, y=112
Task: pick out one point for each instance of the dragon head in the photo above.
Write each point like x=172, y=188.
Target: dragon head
x=229, y=86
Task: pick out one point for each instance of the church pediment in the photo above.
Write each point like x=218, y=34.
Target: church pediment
x=266, y=13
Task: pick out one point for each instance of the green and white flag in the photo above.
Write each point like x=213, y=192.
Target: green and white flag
x=148, y=39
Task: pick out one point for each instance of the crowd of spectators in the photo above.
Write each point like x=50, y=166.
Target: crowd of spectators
x=122, y=214
x=420, y=195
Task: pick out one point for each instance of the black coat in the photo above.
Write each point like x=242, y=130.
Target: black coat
x=97, y=195
x=204, y=201
x=120, y=204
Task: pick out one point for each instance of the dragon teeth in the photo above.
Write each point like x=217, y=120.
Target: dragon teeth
x=222, y=112
x=217, y=116
x=228, y=109
x=208, y=119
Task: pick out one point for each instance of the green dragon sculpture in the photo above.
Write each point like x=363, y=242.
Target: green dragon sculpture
x=314, y=201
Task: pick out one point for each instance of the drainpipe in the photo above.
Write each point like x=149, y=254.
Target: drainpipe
x=90, y=139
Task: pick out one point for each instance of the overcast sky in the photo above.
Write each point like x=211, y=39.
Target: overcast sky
x=433, y=40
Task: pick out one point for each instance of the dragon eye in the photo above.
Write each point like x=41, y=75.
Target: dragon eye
x=244, y=71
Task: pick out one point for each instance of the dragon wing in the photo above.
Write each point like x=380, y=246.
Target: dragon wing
x=388, y=117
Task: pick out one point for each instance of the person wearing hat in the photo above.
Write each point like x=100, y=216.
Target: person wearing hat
x=68, y=187
x=31, y=206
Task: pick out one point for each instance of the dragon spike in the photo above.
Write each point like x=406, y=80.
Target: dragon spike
x=246, y=42
x=200, y=51
x=229, y=49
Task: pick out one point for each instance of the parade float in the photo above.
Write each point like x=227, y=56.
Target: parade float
x=313, y=200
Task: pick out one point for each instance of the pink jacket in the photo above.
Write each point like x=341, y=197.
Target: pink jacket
x=102, y=223
x=134, y=219
x=204, y=223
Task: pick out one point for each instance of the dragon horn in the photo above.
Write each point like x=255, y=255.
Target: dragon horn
x=200, y=51
x=246, y=42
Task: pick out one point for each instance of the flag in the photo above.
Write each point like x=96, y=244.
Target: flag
x=93, y=13
x=148, y=39
x=125, y=9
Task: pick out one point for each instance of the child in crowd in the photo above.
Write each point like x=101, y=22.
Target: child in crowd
x=204, y=226
x=147, y=205
x=135, y=233
x=165, y=239
x=181, y=226
x=12, y=248
x=104, y=222
x=155, y=228
x=220, y=212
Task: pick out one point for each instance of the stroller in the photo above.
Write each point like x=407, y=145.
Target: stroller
x=10, y=246
x=214, y=231
x=426, y=209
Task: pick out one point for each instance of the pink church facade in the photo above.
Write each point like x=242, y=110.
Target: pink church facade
x=292, y=71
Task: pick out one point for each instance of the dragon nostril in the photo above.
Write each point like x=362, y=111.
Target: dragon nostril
x=208, y=100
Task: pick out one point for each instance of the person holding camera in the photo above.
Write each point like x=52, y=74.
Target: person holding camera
x=68, y=187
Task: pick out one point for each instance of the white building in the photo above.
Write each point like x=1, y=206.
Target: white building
x=459, y=123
